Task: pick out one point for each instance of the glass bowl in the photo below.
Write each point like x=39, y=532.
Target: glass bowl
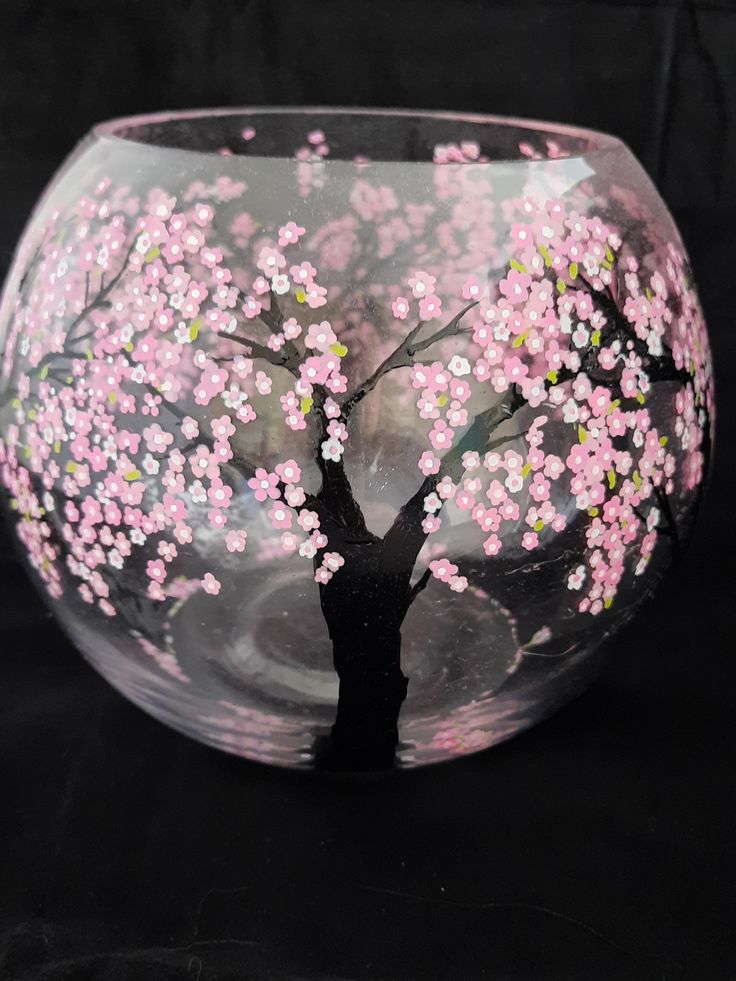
x=343, y=438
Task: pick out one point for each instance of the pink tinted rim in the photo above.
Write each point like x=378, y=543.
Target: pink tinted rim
x=596, y=140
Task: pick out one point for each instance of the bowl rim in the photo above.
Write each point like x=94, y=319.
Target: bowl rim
x=598, y=141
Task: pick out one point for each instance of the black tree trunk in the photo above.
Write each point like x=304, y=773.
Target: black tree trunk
x=364, y=606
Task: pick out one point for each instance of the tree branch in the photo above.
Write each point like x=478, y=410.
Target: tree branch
x=406, y=535
x=671, y=528
x=263, y=352
x=419, y=585
x=403, y=356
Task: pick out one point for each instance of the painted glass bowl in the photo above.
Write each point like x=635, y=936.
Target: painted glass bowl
x=344, y=438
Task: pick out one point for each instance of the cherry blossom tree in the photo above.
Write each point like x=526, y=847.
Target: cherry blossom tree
x=561, y=377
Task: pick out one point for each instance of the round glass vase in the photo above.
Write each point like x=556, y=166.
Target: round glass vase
x=344, y=438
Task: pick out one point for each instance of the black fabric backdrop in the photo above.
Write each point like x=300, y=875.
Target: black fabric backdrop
x=598, y=845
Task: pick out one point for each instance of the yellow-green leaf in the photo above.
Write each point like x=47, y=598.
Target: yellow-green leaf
x=593, y=512
x=442, y=400
x=613, y=406
x=339, y=349
x=301, y=295
x=640, y=398
x=132, y=475
x=89, y=355
x=545, y=255
x=611, y=479
x=518, y=341
x=538, y=525
x=517, y=266
x=561, y=285
x=649, y=294
x=608, y=602
x=57, y=446
x=71, y=466
x=526, y=470
x=636, y=477
x=112, y=397
x=595, y=338
x=194, y=328
x=153, y=253
x=664, y=440
x=44, y=372
x=573, y=270
x=552, y=376
x=306, y=404
x=609, y=253
x=582, y=434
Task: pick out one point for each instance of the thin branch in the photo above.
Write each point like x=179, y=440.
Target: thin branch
x=419, y=585
x=406, y=535
x=449, y=330
x=403, y=356
x=671, y=528
x=261, y=351
x=68, y=351
x=273, y=319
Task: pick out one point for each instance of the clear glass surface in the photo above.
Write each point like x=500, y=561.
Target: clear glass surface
x=300, y=405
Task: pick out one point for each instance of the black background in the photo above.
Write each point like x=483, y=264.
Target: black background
x=599, y=845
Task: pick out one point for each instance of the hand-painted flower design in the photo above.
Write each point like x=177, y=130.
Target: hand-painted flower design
x=191, y=385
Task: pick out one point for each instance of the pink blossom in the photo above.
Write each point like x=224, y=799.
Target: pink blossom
x=333, y=561
x=441, y=435
x=156, y=570
x=219, y=494
x=264, y=484
x=183, y=533
x=167, y=550
x=289, y=472
x=291, y=329
x=280, y=516
x=443, y=569
x=308, y=520
x=157, y=440
x=210, y=584
x=263, y=383
x=421, y=284
x=222, y=428
x=174, y=507
x=294, y=496
x=270, y=261
x=430, y=307
x=320, y=336
x=472, y=288
x=429, y=463
x=303, y=273
x=290, y=233
x=400, y=308
x=515, y=286
x=289, y=542
x=235, y=541
x=529, y=540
